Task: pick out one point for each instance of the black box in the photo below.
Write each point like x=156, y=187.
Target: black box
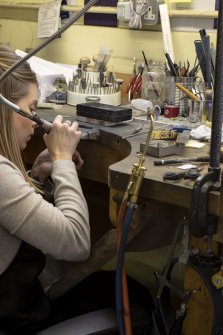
x=98, y=111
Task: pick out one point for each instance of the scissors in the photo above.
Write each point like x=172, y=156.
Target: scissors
x=191, y=174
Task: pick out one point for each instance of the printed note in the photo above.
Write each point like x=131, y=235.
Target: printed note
x=48, y=19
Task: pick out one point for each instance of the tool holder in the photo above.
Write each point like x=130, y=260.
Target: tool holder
x=92, y=87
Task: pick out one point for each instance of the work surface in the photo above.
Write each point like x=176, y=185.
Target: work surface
x=120, y=138
x=109, y=161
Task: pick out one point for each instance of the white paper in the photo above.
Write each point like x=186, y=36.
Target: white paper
x=187, y=167
x=49, y=69
x=49, y=18
x=47, y=72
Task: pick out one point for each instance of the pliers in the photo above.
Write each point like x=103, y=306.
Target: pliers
x=135, y=84
x=191, y=174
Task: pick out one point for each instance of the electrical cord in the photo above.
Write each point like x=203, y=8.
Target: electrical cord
x=141, y=8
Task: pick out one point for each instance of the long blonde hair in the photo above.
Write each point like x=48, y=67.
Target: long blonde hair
x=13, y=88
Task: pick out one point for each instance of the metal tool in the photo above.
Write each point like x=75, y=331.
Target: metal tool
x=191, y=174
x=171, y=66
x=135, y=83
x=91, y=134
x=161, y=148
x=187, y=92
x=202, y=159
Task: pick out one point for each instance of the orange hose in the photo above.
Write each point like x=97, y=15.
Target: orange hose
x=125, y=294
x=126, y=305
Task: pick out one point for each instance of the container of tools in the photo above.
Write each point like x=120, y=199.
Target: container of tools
x=94, y=82
x=182, y=99
x=94, y=86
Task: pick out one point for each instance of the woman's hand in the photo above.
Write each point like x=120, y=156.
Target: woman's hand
x=62, y=140
x=78, y=161
x=42, y=166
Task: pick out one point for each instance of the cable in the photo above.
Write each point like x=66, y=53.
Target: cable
x=44, y=124
x=125, y=295
x=58, y=33
x=119, y=269
x=141, y=8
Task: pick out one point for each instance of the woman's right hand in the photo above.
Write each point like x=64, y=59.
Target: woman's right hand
x=62, y=139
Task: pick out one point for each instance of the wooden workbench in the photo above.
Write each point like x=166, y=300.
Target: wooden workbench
x=104, y=177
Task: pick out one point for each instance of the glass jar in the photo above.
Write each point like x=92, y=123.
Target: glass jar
x=181, y=99
x=154, y=83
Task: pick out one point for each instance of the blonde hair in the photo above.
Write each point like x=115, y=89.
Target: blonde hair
x=13, y=88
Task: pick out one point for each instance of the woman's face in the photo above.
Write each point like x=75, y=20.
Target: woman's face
x=24, y=127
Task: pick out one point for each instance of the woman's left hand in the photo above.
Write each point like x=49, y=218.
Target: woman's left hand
x=78, y=161
x=42, y=167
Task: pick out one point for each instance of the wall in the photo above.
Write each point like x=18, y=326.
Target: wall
x=81, y=40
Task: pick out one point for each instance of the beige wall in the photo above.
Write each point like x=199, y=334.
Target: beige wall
x=80, y=41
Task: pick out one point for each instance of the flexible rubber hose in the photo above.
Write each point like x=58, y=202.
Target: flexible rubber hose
x=125, y=294
x=119, y=268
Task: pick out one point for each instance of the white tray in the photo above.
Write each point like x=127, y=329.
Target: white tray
x=78, y=98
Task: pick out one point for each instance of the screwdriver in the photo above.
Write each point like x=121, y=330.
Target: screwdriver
x=204, y=159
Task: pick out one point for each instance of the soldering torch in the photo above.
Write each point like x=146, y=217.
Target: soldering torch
x=45, y=125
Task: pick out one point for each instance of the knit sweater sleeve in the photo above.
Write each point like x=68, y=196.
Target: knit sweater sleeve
x=61, y=230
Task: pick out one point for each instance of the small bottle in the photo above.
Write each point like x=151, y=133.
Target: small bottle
x=154, y=83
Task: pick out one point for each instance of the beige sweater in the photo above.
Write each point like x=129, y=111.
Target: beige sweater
x=61, y=231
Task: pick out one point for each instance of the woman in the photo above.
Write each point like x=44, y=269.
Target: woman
x=30, y=227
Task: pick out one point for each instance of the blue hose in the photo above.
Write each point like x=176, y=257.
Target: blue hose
x=120, y=260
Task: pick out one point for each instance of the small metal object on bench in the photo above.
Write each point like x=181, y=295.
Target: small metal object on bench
x=161, y=148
